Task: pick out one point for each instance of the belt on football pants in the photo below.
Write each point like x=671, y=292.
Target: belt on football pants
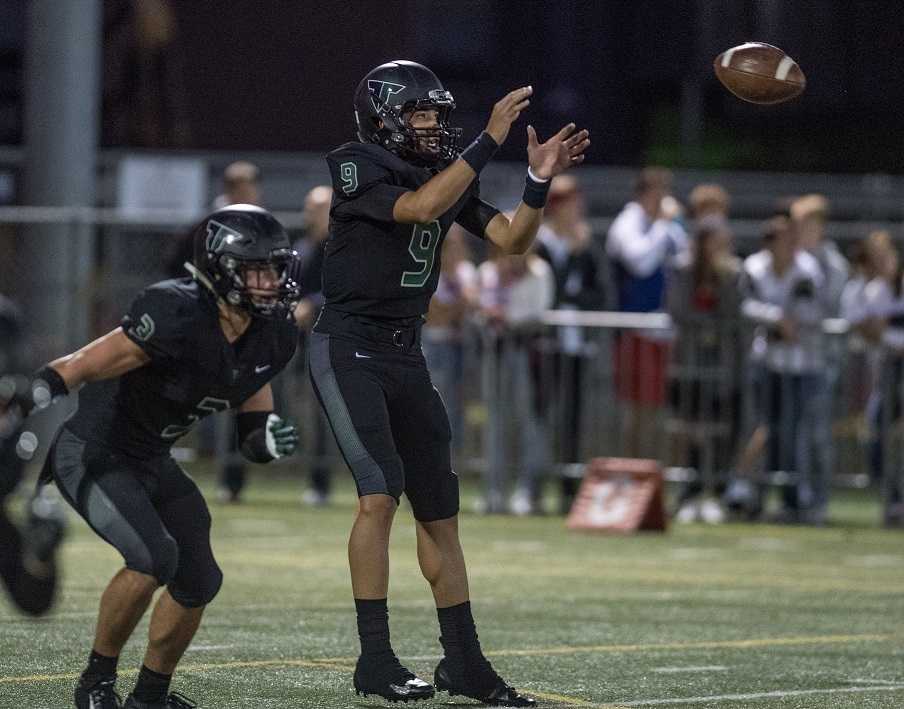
x=385, y=333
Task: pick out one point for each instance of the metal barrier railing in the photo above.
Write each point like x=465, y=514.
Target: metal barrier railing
x=534, y=403
x=538, y=401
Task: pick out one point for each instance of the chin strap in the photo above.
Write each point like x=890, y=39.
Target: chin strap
x=199, y=276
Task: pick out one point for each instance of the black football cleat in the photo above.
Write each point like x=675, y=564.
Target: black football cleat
x=173, y=701
x=492, y=690
x=391, y=680
x=101, y=694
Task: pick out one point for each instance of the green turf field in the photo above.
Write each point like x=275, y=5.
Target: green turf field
x=734, y=616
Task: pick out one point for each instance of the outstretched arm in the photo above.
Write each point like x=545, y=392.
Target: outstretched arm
x=565, y=149
x=107, y=357
x=440, y=192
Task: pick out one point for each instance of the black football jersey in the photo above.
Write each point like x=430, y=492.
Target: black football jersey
x=194, y=371
x=374, y=266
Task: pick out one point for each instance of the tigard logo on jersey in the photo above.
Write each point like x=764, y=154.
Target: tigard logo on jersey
x=382, y=90
x=145, y=328
x=218, y=234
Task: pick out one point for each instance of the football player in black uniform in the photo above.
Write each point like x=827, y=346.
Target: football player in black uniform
x=27, y=556
x=395, y=195
x=187, y=348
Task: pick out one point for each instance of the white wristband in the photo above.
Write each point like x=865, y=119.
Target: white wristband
x=531, y=175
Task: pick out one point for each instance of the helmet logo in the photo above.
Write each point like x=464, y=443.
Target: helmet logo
x=219, y=235
x=382, y=91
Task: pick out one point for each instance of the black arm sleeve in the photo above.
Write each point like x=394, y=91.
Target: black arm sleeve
x=251, y=427
x=475, y=216
x=159, y=322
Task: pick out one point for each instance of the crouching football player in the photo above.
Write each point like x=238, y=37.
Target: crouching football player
x=187, y=348
x=395, y=195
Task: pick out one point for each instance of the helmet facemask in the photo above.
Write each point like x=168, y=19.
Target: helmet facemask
x=420, y=146
x=241, y=283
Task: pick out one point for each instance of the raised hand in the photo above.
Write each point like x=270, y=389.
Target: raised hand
x=506, y=112
x=564, y=149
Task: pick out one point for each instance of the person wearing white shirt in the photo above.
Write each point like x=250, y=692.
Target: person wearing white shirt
x=780, y=287
x=810, y=214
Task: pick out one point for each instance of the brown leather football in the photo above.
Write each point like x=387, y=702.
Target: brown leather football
x=759, y=73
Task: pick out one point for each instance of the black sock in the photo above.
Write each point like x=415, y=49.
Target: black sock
x=151, y=686
x=373, y=626
x=100, y=667
x=459, y=635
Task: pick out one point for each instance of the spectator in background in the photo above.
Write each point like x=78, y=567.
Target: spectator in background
x=309, y=273
x=810, y=214
x=742, y=496
x=873, y=264
x=563, y=241
x=241, y=185
x=704, y=302
x=309, y=276
x=456, y=297
x=780, y=286
x=882, y=326
x=709, y=200
x=514, y=293
x=641, y=242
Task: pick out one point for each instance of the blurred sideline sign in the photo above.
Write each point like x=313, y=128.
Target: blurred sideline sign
x=619, y=495
x=147, y=183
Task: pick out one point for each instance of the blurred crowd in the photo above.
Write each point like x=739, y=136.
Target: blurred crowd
x=765, y=360
x=742, y=392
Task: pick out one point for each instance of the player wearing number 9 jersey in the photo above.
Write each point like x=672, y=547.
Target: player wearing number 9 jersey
x=187, y=348
x=395, y=195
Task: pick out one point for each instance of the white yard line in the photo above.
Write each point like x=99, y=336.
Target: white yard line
x=875, y=681
x=679, y=670
x=719, y=698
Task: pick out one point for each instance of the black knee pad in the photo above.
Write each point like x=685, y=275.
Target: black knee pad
x=199, y=589
x=434, y=499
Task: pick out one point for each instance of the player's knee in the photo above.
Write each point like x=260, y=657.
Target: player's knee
x=203, y=587
x=377, y=507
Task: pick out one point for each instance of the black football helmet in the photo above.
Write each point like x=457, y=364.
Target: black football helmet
x=385, y=99
x=235, y=239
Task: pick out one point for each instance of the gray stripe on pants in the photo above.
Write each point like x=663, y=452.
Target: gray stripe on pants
x=368, y=474
x=94, y=505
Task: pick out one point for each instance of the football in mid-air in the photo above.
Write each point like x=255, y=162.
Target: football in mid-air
x=759, y=73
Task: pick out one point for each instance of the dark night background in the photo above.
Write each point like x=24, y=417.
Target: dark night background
x=255, y=74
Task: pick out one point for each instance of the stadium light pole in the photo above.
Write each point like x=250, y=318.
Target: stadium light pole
x=61, y=127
